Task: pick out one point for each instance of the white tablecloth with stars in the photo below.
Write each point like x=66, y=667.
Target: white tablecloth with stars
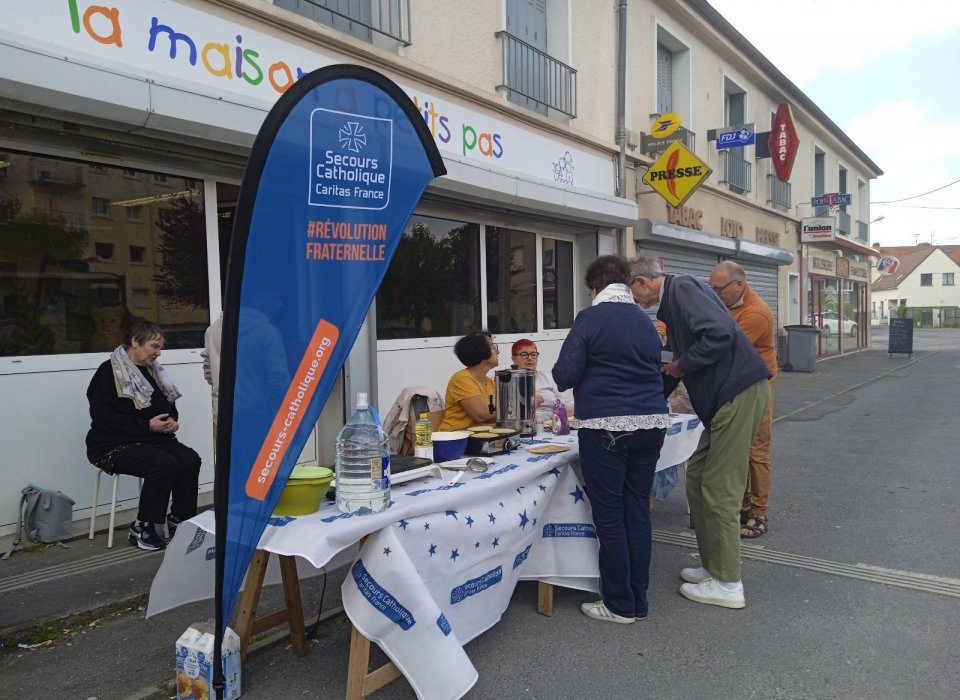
x=440, y=564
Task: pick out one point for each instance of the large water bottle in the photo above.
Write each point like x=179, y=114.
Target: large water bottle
x=363, y=463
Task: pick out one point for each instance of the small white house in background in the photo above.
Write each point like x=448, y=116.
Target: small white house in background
x=925, y=283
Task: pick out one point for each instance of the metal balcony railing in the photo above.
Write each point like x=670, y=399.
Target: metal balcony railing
x=52, y=174
x=543, y=80
x=863, y=231
x=843, y=222
x=388, y=17
x=735, y=171
x=70, y=218
x=779, y=193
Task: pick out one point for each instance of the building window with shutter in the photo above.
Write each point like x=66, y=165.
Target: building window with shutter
x=672, y=76
x=736, y=169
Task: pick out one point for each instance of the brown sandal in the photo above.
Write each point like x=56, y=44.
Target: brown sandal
x=755, y=527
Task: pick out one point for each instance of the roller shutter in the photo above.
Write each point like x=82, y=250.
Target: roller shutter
x=763, y=280
x=680, y=261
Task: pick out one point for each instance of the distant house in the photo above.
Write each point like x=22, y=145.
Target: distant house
x=924, y=286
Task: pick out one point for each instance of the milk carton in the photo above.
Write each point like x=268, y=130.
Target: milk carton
x=194, y=655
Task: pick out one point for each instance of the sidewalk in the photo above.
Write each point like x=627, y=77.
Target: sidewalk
x=45, y=591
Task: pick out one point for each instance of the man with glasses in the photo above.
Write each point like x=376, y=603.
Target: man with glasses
x=755, y=319
x=525, y=356
x=727, y=383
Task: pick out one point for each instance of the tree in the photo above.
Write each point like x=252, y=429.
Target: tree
x=183, y=253
x=37, y=235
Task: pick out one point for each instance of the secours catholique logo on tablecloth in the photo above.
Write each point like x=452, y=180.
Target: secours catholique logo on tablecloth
x=351, y=160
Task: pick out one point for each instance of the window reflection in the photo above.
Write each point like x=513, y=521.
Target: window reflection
x=84, y=247
x=511, y=281
x=432, y=288
x=558, y=283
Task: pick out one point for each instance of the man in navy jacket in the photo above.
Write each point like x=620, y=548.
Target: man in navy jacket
x=727, y=383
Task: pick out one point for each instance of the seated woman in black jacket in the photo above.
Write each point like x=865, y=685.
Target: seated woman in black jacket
x=133, y=421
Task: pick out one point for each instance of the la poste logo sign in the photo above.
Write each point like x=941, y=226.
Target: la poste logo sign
x=677, y=174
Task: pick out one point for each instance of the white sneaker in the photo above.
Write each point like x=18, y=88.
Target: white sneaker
x=697, y=575
x=599, y=611
x=711, y=593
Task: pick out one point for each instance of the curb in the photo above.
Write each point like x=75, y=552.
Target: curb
x=11, y=636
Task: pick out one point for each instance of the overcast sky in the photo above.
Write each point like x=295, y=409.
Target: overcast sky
x=888, y=73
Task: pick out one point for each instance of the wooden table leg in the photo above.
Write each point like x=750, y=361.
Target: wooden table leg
x=545, y=598
x=360, y=683
x=358, y=664
x=248, y=623
x=291, y=594
x=247, y=609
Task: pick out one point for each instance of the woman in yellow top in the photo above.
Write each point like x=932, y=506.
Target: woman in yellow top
x=470, y=392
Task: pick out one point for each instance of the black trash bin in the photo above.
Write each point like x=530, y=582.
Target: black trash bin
x=801, y=348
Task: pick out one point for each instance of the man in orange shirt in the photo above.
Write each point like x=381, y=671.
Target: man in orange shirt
x=755, y=319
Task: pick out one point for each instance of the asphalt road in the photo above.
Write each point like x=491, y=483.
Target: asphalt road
x=854, y=593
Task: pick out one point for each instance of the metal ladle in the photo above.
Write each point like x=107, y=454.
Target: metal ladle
x=473, y=465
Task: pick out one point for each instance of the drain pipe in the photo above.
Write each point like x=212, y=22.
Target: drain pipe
x=621, y=116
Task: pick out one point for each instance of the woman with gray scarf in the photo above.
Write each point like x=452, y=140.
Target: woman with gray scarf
x=133, y=421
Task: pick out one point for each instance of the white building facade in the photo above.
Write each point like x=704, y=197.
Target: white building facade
x=125, y=127
x=688, y=60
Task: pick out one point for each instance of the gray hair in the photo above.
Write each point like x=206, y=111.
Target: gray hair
x=645, y=266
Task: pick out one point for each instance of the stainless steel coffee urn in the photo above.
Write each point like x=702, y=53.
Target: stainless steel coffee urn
x=516, y=400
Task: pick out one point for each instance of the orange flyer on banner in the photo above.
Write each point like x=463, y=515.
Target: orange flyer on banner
x=295, y=402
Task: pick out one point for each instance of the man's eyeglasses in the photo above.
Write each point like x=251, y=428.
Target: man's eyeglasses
x=526, y=355
x=720, y=289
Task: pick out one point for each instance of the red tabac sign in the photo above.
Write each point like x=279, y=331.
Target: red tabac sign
x=783, y=143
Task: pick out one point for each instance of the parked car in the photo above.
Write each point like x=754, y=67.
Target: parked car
x=830, y=325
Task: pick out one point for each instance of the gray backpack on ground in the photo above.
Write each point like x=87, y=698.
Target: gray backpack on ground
x=46, y=516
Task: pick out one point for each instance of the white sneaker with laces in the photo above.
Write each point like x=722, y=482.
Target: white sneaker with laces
x=711, y=593
x=599, y=611
x=694, y=575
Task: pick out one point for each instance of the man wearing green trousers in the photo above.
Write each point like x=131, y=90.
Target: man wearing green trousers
x=727, y=383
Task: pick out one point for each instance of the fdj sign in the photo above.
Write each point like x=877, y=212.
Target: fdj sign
x=351, y=160
x=676, y=174
x=736, y=138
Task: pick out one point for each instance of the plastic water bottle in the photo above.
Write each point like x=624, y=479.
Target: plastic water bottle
x=424, y=435
x=363, y=463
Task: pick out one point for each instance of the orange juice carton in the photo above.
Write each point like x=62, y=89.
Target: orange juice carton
x=194, y=658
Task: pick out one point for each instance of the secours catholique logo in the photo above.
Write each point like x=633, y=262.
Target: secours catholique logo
x=351, y=158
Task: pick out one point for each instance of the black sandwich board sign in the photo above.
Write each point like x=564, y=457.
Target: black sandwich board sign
x=901, y=337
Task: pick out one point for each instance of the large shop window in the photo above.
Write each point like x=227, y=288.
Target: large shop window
x=511, y=281
x=558, y=284
x=434, y=286
x=85, y=248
